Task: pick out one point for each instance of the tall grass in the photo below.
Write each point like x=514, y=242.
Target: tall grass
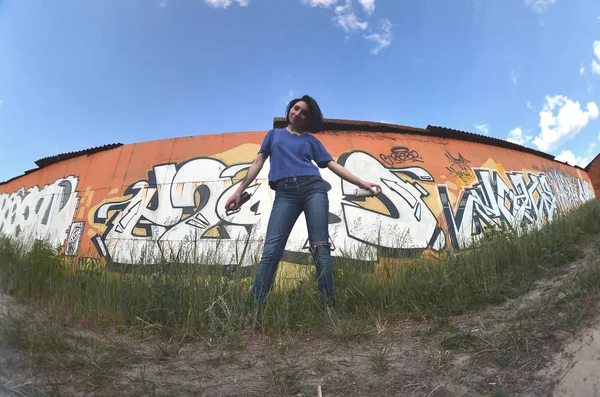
x=212, y=300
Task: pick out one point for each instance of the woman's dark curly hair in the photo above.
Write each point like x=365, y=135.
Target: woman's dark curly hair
x=314, y=121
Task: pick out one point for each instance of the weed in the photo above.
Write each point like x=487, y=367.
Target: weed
x=460, y=340
x=379, y=360
x=44, y=339
x=442, y=357
x=144, y=385
x=220, y=359
x=248, y=363
x=54, y=390
x=345, y=329
x=182, y=290
x=500, y=392
x=322, y=366
x=287, y=379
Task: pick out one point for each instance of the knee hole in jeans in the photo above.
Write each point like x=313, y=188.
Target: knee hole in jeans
x=315, y=246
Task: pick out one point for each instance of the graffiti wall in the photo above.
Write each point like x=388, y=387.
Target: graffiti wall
x=593, y=170
x=139, y=203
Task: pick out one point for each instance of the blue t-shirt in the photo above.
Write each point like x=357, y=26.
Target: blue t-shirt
x=292, y=155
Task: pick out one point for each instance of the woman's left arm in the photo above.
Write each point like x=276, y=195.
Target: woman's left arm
x=350, y=177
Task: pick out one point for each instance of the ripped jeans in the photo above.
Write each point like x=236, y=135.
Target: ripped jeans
x=294, y=195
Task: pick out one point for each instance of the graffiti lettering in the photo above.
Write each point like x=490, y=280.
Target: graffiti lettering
x=570, y=192
x=36, y=214
x=179, y=210
x=404, y=221
x=459, y=167
x=492, y=202
x=399, y=155
x=176, y=212
x=74, y=239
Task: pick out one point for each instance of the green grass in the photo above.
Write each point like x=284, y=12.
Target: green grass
x=174, y=297
x=379, y=360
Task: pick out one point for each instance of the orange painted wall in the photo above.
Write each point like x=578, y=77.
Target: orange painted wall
x=101, y=191
x=593, y=170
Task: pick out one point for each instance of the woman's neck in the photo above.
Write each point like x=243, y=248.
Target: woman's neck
x=294, y=129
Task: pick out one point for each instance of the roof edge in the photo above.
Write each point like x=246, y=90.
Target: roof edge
x=444, y=132
x=435, y=131
x=355, y=125
x=587, y=167
x=46, y=161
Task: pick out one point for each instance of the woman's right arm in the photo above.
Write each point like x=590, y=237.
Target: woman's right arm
x=253, y=171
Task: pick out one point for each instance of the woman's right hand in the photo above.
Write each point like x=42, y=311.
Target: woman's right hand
x=234, y=201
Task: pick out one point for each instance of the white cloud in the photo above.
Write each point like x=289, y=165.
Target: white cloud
x=566, y=156
x=318, y=3
x=565, y=124
x=383, y=38
x=226, y=3
x=529, y=105
x=582, y=70
x=483, y=128
x=514, y=77
x=368, y=6
x=539, y=6
x=346, y=18
x=595, y=64
x=518, y=136
x=596, y=68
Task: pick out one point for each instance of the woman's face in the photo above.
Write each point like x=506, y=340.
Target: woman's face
x=299, y=113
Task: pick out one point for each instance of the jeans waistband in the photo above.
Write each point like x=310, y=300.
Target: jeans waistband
x=299, y=178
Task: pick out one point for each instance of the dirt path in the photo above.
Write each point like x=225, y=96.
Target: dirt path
x=15, y=373
x=478, y=354
x=579, y=366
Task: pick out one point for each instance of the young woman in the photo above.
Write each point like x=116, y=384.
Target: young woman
x=299, y=187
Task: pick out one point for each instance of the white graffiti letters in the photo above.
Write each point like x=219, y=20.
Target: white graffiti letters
x=491, y=202
x=40, y=214
x=406, y=221
x=179, y=211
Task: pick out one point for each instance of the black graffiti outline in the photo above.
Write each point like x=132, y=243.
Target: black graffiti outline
x=151, y=183
x=401, y=154
x=394, y=214
x=464, y=171
x=454, y=215
x=22, y=192
x=74, y=238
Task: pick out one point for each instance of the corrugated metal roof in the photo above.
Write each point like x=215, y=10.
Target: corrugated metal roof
x=440, y=132
x=342, y=125
x=443, y=132
x=46, y=161
x=356, y=125
x=587, y=168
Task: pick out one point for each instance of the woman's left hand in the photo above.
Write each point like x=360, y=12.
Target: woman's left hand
x=370, y=186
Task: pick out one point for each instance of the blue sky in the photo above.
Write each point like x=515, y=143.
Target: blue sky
x=81, y=73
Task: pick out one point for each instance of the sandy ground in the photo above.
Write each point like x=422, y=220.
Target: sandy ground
x=575, y=369
x=579, y=366
x=565, y=365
